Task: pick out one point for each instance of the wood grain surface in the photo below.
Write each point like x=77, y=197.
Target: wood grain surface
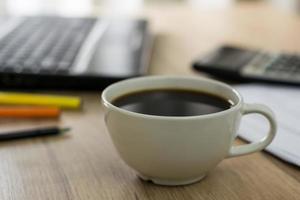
x=83, y=164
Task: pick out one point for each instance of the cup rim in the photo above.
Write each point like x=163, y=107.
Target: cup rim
x=108, y=104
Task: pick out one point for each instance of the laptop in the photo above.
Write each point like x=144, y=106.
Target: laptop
x=52, y=52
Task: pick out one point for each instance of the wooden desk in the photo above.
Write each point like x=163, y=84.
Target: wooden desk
x=84, y=165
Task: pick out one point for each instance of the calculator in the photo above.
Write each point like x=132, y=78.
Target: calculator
x=235, y=63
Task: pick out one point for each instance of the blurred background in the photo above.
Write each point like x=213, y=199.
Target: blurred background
x=88, y=7
x=242, y=22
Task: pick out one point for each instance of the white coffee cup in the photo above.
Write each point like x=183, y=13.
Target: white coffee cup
x=172, y=150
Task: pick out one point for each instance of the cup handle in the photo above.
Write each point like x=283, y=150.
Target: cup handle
x=260, y=145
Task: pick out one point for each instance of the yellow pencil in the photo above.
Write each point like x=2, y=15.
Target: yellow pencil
x=67, y=102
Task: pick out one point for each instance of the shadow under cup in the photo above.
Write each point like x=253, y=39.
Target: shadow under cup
x=172, y=150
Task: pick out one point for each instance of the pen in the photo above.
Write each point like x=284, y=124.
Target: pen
x=32, y=133
x=12, y=98
x=29, y=112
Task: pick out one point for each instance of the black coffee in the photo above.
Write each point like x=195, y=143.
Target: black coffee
x=172, y=102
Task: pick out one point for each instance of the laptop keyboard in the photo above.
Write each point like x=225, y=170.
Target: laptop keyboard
x=43, y=44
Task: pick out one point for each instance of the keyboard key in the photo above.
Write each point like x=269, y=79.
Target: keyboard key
x=63, y=65
x=48, y=63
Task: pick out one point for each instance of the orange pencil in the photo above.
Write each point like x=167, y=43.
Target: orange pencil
x=29, y=112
